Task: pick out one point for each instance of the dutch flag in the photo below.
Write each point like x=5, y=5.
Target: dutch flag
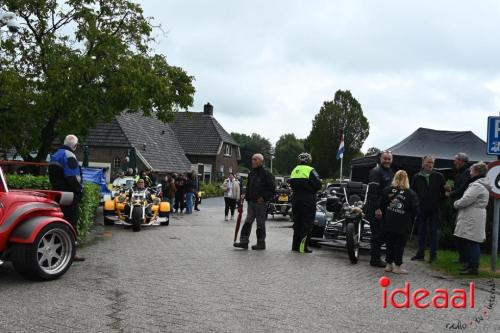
x=340, y=152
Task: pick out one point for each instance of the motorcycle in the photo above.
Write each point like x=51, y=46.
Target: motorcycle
x=281, y=203
x=347, y=226
x=138, y=208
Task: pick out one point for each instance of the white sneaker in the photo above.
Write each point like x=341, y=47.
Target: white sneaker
x=232, y=217
x=225, y=218
x=388, y=268
x=398, y=270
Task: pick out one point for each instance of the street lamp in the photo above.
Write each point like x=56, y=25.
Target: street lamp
x=9, y=19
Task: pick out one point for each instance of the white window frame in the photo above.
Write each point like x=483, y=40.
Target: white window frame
x=227, y=150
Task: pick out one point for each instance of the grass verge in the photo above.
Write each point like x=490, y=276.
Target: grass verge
x=444, y=263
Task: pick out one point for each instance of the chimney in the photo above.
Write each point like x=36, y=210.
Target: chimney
x=208, y=109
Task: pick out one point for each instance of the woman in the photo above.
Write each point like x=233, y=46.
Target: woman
x=471, y=218
x=231, y=188
x=179, y=194
x=399, y=207
x=168, y=190
x=190, y=192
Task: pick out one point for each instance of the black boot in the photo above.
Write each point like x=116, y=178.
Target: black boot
x=241, y=245
x=471, y=270
x=259, y=246
x=465, y=268
x=377, y=262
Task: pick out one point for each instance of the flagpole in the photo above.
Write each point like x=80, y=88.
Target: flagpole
x=341, y=165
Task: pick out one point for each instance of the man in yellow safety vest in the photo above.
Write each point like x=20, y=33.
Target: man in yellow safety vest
x=305, y=182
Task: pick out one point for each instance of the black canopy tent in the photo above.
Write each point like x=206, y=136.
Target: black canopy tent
x=443, y=145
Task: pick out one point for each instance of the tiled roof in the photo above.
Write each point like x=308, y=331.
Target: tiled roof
x=154, y=141
x=199, y=133
x=108, y=134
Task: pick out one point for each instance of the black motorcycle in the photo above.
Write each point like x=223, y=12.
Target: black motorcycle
x=347, y=226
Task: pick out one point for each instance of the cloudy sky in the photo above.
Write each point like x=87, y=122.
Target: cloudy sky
x=267, y=66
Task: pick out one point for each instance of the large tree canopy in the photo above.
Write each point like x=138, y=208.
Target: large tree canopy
x=77, y=62
x=287, y=149
x=252, y=144
x=343, y=115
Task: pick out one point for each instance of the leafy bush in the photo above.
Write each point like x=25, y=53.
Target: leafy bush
x=28, y=182
x=88, y=205
x=212, y=190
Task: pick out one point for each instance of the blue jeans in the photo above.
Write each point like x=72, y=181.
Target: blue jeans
x=424, y=220
x=473, y=252
x=189, y=202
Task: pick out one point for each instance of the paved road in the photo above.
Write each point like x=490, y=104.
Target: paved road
x=187, y=278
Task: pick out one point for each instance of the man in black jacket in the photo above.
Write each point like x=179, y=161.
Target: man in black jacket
x=260, y=189
x=305, y=182
x=462, y=180
x=430, y=188
x=380, y=177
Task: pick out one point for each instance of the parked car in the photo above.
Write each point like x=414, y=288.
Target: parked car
x=33, y=232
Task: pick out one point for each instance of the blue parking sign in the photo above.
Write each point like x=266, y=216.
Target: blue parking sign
x=493, y=136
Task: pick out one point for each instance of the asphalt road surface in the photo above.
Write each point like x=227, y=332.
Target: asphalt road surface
x=187, y=277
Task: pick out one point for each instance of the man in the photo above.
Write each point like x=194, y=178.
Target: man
x=259, y=191
x=149, y=173
x=462, y=180
x=65, y=175
x=380, y=177
x=430, y=188
x=305, y=182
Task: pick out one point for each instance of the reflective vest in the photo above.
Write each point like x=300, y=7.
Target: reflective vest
x=301, y=172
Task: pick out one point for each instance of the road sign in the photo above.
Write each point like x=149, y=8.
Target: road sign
x=494, y=177
x=493, y=140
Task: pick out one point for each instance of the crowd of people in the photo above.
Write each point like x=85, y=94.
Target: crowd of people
x=395, y=202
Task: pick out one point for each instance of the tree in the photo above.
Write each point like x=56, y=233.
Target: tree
x=372, y=151
x=79, y=62
x=251, y=144
x=343, y=115
x=287, y=149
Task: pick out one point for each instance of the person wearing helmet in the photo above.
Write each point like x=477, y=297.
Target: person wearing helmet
x=305, y=182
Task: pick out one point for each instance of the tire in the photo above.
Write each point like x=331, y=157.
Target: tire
x=136, y=218
x=167, y=222
x=107, y=221
x=352, y=243
x=55, y=239
x=317, y=232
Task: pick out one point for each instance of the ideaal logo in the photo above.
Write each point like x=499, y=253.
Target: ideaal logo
x=422, y=298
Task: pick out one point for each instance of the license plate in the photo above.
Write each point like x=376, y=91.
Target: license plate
x=283, y=198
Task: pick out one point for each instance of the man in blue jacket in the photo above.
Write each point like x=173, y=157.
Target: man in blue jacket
x=65, y=175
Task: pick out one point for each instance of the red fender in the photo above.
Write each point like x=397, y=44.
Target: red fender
x=27, y=230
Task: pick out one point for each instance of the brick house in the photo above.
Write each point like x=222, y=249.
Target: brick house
x=194, y=141
x=208, y=146
x=155, y=145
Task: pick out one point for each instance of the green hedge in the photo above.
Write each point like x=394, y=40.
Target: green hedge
x=212, y=190
x=28, y=182
x=88, y=206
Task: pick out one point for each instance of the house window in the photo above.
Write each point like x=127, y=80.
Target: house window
x=116, y=163
x=227, y=150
